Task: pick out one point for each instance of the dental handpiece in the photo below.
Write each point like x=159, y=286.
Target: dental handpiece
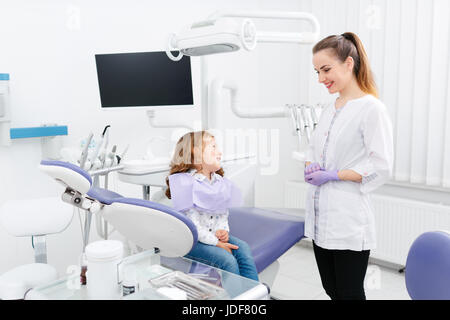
x=102, y=158
x=103, y=153
x=106, y=135
x=314, y=117
x=306, y=124
x=119, y=158
x=109, y=159
x=85, y=152
x=299, y=124
x=95, y=154
x=295, y=119
x=112, y=155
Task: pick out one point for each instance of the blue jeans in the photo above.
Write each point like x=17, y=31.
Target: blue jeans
x=240, y=261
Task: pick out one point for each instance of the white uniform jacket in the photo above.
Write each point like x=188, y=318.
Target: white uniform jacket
x=358, y=137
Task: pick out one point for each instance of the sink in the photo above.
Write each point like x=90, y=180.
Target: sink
x=154, y=172
x=145, y=172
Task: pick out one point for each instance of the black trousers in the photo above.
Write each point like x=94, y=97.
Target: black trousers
x=342, y=272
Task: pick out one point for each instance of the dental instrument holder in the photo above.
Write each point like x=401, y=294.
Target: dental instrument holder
x=96, y=182
x=305, y=119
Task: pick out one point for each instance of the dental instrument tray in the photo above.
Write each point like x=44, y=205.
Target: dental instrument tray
x=195, y=289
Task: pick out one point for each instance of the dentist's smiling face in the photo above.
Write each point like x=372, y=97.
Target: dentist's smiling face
x=333, y=74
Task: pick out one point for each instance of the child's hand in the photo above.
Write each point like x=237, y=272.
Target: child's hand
x=227, y=246
x=222, y=235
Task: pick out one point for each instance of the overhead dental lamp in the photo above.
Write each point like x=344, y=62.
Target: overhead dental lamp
x=213, y=36
x=222, y=33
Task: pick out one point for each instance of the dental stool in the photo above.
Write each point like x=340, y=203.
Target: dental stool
x=32, y=218
x=427, y=272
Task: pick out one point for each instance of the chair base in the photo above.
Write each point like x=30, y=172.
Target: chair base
x=268, y=275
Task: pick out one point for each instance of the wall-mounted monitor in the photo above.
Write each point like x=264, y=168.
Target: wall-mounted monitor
x=144, y=79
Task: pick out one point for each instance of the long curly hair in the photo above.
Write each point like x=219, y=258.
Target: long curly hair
x=184, y=158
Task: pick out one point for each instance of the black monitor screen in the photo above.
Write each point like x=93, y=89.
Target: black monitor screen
x=143, y=79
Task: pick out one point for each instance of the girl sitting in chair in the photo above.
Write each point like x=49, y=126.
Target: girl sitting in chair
x=198, y=189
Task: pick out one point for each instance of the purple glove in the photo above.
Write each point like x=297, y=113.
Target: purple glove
x=312, y=167
x=318, y=178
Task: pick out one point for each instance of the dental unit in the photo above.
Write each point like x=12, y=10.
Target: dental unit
x=154, y=226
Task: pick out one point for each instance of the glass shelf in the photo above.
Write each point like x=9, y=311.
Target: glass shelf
x=148, y=266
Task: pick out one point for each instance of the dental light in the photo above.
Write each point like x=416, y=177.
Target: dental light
x=222, y=33
x=213, y=36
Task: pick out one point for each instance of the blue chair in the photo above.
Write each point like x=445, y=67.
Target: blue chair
x=428, y=267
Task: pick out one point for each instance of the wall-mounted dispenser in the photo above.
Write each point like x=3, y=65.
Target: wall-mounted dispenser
x=5, y=110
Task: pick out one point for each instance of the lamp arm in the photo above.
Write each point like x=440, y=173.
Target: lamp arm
x=303, y=37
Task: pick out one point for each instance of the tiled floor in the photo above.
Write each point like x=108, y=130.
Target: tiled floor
x=298, y=279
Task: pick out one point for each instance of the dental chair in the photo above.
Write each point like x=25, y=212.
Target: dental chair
x=152, y=225
x=32, y=218
x=427, y=272
x=269, y=234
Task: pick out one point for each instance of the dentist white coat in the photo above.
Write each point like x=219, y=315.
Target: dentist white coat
x=358, y=137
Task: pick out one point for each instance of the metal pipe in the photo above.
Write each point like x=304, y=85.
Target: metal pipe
x=216, y=89
x=99, y=172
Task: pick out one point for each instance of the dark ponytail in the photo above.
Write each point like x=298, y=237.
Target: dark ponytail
x=347, y=45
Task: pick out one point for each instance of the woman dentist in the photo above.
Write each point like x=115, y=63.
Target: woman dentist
x=350, y=154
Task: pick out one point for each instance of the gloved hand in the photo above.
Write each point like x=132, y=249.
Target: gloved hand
x=320, y=177
x=312, y=167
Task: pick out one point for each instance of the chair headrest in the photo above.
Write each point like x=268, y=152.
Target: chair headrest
x=152, y=225
x=428, y=267
x=67, y=173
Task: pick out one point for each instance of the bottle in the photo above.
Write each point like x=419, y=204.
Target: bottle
x=129, y=283
x=83, y=265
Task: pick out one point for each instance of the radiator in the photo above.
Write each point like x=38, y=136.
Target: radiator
x=399, y=221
